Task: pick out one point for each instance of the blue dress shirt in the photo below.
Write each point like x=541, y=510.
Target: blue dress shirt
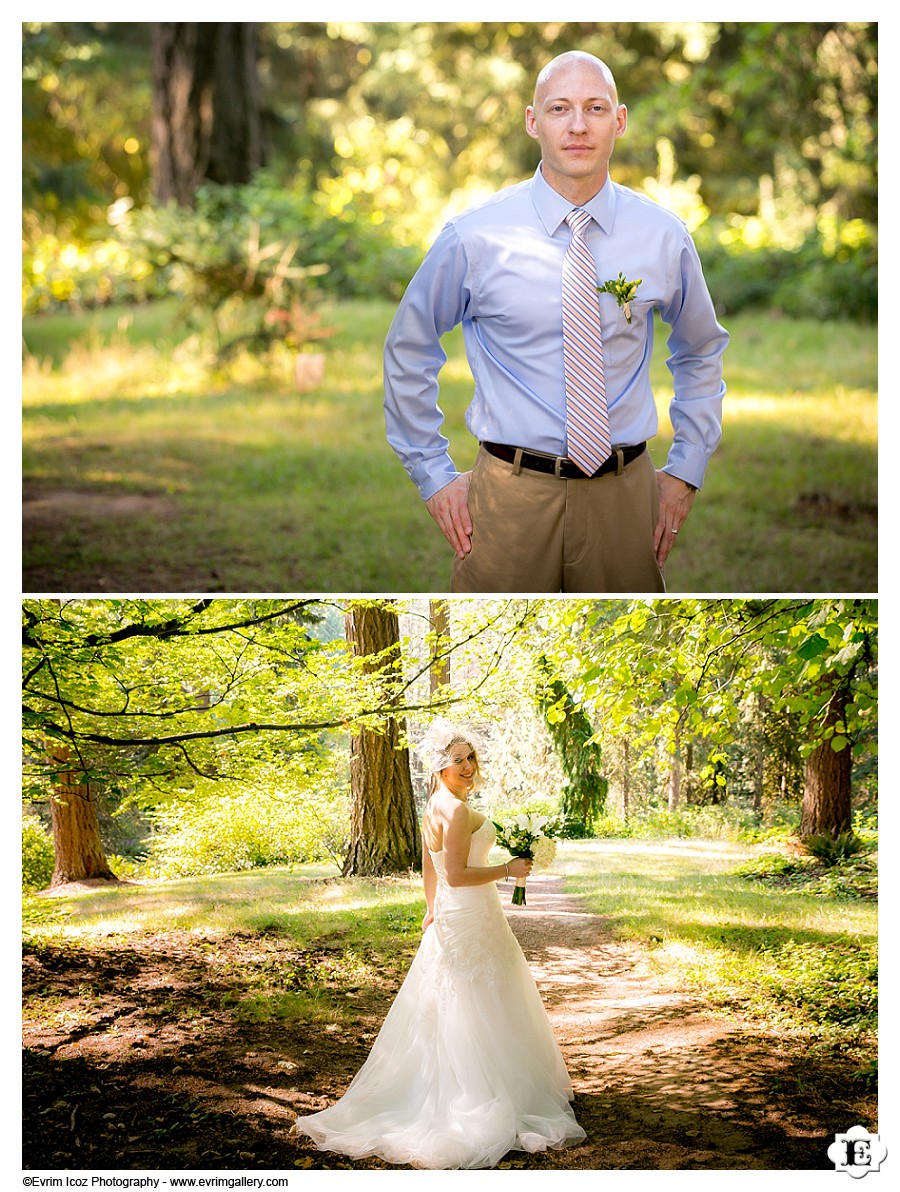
x=497, y=270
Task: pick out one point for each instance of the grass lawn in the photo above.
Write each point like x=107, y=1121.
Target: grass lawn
x=799, y=964
x=147, y=472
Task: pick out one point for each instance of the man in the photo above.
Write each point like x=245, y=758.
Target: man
x=555, y=281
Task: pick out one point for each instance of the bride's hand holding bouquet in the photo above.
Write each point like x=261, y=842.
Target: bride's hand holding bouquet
x=531, y=837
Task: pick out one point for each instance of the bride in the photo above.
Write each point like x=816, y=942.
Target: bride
x=465, y=1067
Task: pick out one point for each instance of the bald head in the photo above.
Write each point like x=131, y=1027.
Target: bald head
x=571, y=58
x=577, y=118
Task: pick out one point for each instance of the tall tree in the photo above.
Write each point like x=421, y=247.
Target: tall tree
x=384, y=833
x=440, y=655
x=206, y=106
x=78, y=849
x=826, y=808
x=584, y=793
x=679, y=670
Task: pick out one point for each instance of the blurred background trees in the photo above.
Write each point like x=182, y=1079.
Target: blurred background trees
x=359, y=139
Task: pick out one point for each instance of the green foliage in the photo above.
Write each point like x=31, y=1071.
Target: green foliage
x=865, y=825
x=583, y=796
x=850, y=879
x=832, y=850
x=771, y=867
x=714, y=822
x=833, y=988
x=667, y=672
x=218, y=833
x=60, y=269
x=131, y=866
x=257, y=256
x=833, y=274
x=37, y=854
x=154, y=694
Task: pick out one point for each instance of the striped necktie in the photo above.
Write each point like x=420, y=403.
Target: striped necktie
x=587, y=420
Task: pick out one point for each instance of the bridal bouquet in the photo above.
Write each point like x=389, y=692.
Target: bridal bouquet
x=528, y=836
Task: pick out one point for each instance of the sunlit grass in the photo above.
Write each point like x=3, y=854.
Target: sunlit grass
x=351, y=932
x=805, y=962
x=308, y=903
x=111, y=411
x=797, y=963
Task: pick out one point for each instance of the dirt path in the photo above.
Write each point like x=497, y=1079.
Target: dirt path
x=660, y=1083
x=134, y=1059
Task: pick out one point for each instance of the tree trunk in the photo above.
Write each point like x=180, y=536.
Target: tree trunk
x=206, y=108
x=826, y=809
x=674, y=792
x=76, y=831
x=758, y=751
x=384, y=831
x=440, y=660
x=675, y=772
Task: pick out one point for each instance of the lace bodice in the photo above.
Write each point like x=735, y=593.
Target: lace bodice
x=477, y=943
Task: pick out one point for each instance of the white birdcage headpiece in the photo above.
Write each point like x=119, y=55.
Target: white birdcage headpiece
x=438, y=745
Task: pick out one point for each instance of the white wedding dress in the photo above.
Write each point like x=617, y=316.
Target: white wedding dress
x=465, y=1067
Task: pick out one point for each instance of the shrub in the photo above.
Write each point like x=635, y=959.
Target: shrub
x=265, y=245
x=712, y=822
x=258, y=244
x=837, y=985
x=865, y=825
x=832, y=274
x=833, y=850
x=263, y=825
x=37, y=854
x=613, y=826
x=59, y=271
x=770, y=867
x=855, y=878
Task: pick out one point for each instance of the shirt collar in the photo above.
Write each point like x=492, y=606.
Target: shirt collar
x=553, y=208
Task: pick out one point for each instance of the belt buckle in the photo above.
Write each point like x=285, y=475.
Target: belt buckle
x=558, y=465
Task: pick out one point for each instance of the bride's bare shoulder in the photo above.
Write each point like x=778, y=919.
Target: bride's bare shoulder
x=445, y=807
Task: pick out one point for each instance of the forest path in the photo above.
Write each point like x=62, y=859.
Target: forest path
x=659, y=1082
x=142, y=1051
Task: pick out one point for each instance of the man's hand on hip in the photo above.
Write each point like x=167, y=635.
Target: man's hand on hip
x=450, y=509
x=675, y=501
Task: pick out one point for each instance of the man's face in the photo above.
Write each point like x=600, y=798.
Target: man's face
x=577, y=121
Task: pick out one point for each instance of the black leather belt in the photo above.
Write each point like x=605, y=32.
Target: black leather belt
x=562, y=466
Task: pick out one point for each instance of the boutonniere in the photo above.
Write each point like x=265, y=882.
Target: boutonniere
x=623, y=291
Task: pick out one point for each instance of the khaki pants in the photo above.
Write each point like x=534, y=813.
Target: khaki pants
x=535, y=533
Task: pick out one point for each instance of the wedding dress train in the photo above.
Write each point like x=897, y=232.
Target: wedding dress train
x=465, y=1067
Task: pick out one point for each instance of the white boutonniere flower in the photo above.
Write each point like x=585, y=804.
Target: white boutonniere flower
x=623, y=291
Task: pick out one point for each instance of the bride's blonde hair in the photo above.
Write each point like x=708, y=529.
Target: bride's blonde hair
x=436, y=747
x=434, y=778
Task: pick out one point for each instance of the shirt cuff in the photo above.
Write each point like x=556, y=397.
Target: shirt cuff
x=430, y=480
x=687, y=463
